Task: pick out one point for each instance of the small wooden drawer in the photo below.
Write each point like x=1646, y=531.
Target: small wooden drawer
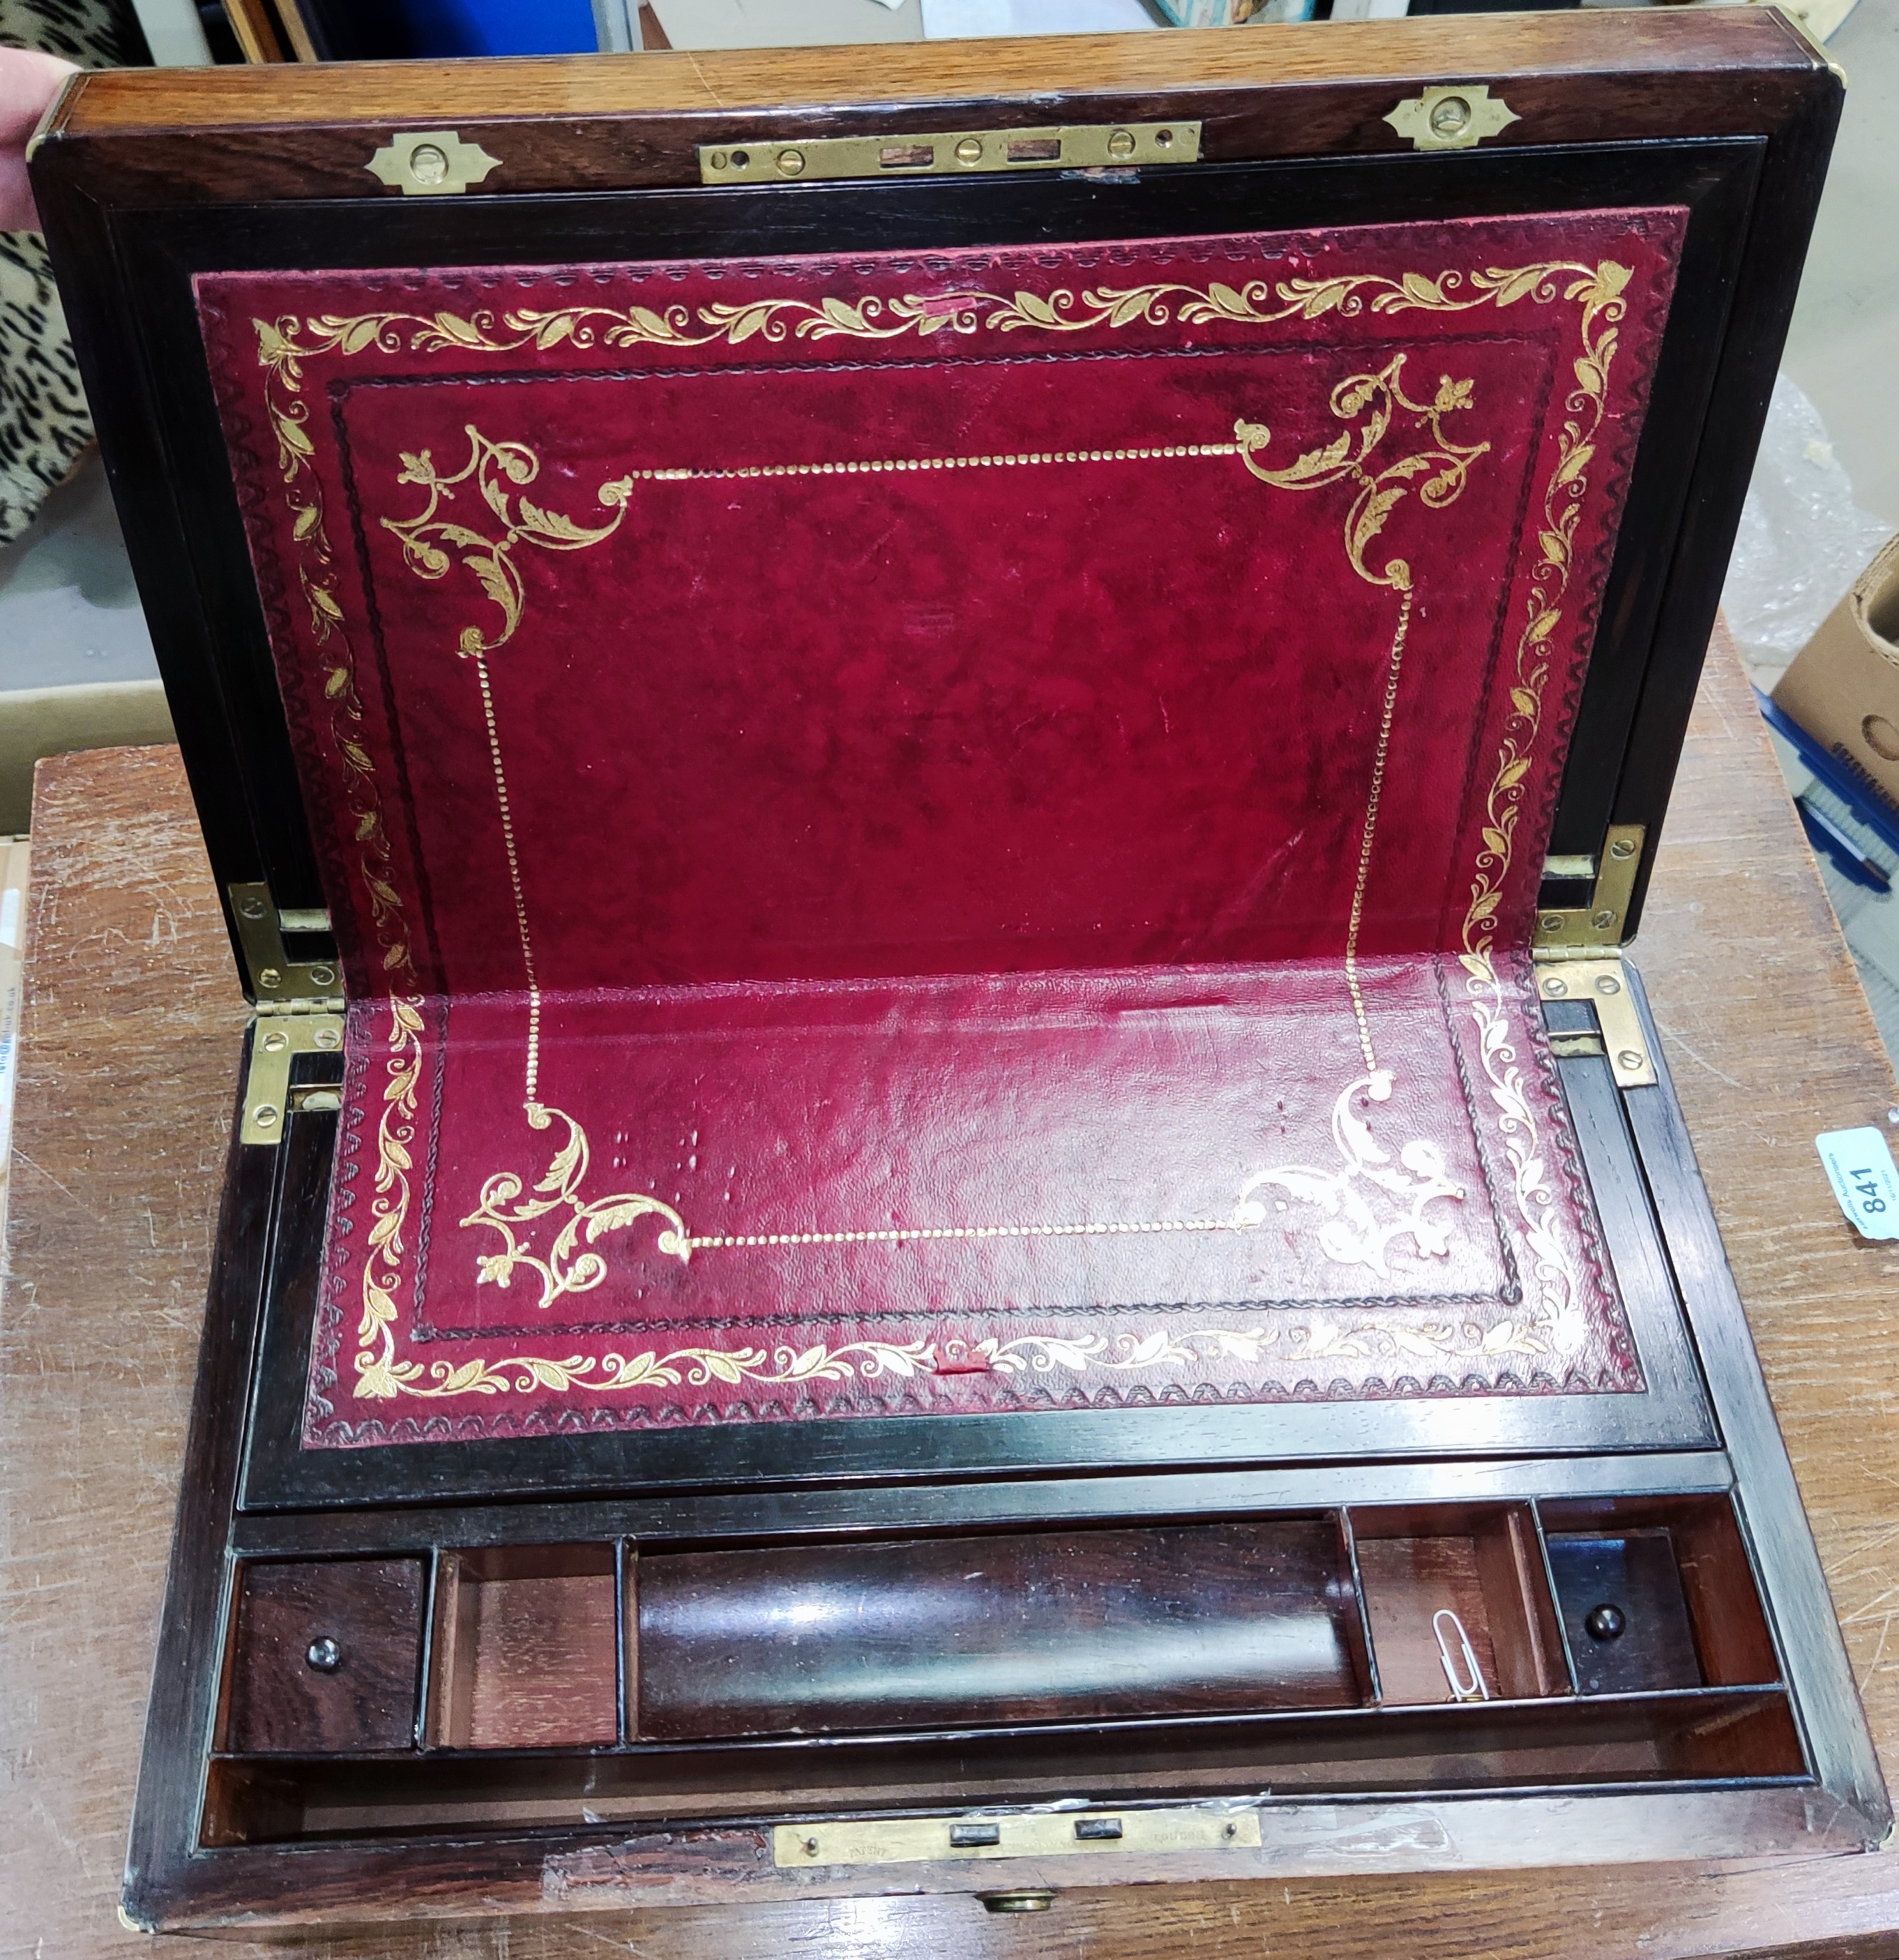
x=325, y=1656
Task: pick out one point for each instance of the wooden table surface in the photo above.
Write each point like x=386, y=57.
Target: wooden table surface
x=127, y=1077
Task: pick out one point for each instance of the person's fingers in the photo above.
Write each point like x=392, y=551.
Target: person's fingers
x=16, y=211
x=28, y=81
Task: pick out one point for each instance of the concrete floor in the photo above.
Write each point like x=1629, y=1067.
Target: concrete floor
x=69, y=612
x=1843, y=350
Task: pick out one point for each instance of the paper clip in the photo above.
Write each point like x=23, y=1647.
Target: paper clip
x=1471, y=1687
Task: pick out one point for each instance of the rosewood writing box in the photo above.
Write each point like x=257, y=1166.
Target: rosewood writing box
x=930, y=765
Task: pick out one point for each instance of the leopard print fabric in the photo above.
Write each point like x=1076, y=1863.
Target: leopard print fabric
x=44, y=425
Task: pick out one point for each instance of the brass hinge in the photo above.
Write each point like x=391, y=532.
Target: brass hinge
x=949, y=153
x=901, y=1840
x=1585, y=929
x=280, y=1035
x=1605, y=984
x=300, y=1010
x=275, y=976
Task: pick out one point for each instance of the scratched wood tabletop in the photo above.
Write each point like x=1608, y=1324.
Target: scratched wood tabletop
x=127, y=1077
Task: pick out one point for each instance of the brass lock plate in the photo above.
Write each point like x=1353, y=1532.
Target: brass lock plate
x=898, y=1840
x=949, y=153
x=1452, y=116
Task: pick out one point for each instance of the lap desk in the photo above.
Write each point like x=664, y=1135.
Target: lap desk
x=931, y=818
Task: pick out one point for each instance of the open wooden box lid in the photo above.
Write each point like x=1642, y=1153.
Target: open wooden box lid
x=954, y=829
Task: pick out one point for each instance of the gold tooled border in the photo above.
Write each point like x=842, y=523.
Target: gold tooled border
x=285, y=345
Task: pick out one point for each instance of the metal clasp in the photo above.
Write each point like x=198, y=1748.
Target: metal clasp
x=1599, y=923
x=275, y=976
x=275, y=1041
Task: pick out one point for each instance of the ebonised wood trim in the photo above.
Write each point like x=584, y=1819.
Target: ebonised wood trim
x=1793, y=1585
x=180, y=1715
x=1672, y=1414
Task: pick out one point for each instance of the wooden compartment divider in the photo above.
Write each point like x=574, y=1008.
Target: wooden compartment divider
x=533, y=1684
x=525, y=1649
x=1483, y=1565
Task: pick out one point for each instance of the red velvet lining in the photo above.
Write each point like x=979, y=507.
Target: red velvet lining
x=713, y=683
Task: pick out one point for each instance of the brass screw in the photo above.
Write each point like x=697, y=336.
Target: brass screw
x=326, y=1038
x=1623, y=846
x=1555, y=987
x=1604, y=919
x=1631, y=1058
x=1451, y=116
x=1550, y=922
x=265, y=1116
x=252, y=908
x=810, y=1847
x=276, y=1041
x=1121, y=143
x=969, y=151
x=1608, y=983
x=790, y=162
x=719, y=160
x=322, y=976
x=270, y=977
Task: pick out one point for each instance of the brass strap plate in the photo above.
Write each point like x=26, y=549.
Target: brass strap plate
x=1605, y=985
x=1600, y=923
x=275, y=1039
x=949, y=153
x=904, y=1841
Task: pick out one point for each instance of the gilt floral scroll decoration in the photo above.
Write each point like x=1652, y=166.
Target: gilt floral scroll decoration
x=1353, y=1234
x=1438, y=471
x=1560, y=1321
x=506, y=1204
x=496, y=477
x=1253, y=302
x=497, y=473
x=282, y=361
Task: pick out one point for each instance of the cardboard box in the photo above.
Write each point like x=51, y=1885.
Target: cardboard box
x=1843, y=689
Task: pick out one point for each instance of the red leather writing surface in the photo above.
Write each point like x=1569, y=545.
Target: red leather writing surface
x=946, y=833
